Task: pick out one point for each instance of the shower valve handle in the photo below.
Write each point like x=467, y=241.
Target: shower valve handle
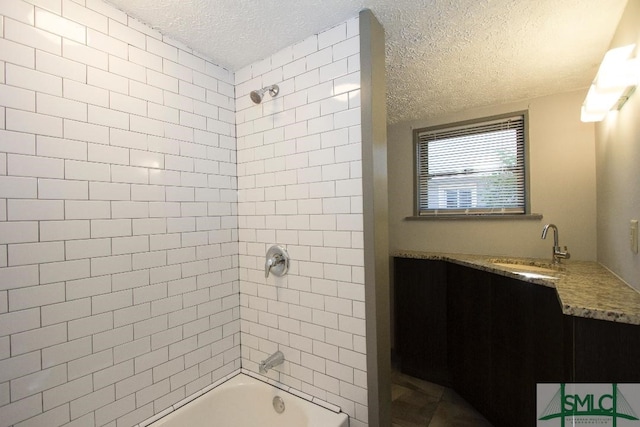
x=277, y=261
x=271, y=262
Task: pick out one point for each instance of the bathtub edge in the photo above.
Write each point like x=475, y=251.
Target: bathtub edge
x=327, y=405
x=156, y=417
x=187, y=399
x=302, y=395
x=313, y=400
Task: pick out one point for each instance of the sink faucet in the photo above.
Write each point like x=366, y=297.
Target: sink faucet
x=558, y=253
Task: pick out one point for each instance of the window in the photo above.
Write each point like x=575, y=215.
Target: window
x=472, y=168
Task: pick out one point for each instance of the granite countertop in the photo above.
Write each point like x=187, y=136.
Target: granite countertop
x=585, y=289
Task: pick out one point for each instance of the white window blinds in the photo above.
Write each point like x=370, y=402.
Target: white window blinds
x=476, y=168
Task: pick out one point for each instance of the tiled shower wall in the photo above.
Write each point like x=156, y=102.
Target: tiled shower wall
x=118, y=225
x=300, y=186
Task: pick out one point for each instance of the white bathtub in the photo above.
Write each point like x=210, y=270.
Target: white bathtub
x=247, y=402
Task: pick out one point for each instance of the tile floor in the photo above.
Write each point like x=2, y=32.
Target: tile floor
x=418, y=403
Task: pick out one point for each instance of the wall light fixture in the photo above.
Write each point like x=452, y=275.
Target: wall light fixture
x=617, y=78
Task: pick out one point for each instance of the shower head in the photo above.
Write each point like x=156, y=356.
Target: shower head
x=256, y=95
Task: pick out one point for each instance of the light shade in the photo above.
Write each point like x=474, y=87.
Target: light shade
x=617, y=76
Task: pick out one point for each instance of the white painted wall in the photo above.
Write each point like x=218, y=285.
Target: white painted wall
x=118, y=240
x=300, y=186
x=618, y=160
x=562, y=187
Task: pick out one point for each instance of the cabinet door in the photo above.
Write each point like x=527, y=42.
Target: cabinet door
x=606, y=351
x=420, y=312
x=552, y=337
x=469, y=333
x=500, y=334
x=513, y=365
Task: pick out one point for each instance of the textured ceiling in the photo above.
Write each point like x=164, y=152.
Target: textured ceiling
x=442, y=56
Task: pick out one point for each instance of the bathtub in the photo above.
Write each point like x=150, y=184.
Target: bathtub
x=244, y=401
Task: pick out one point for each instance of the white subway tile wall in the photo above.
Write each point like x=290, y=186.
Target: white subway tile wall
x=299, y=185
x=119, y=280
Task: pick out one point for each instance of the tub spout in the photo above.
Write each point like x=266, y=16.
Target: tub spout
x=272, y=361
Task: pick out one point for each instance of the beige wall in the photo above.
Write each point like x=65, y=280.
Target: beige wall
x=618, y=160
x=562, y=187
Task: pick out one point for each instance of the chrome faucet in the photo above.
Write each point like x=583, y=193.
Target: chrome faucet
x=558, y=253
x=273, y=261
x=274, y=360
x=277, y=261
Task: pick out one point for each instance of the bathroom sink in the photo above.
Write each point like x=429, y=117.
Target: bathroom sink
x=527, y=268
x=523, y=267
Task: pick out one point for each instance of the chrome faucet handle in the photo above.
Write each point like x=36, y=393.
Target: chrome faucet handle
x=561, y=254
x=270, y=263
x=277, y=261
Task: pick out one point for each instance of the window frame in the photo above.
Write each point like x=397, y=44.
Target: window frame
x=462, y=214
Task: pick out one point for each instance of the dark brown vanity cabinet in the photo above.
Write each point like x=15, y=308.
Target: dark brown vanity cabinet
x=469, y=333
x=493, y=338
x=605, y=351
x=502, y=336
x=421, y=318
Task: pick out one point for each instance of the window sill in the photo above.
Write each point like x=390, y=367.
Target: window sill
x=478, y=217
